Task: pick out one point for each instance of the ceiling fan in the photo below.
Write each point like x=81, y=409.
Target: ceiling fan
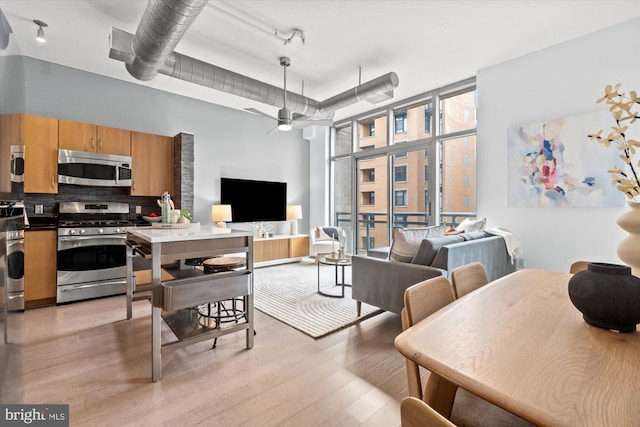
x=285, y=118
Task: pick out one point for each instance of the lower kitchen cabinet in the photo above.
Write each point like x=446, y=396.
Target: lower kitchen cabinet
x=40, y=267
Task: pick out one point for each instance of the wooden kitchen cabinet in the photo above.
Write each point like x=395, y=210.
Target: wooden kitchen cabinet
x=151, y=163
x=89, y=137
x=40, y=268
x=8, y=137
x=39, y=135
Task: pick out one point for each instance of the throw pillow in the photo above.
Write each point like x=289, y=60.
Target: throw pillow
x=469, y=225
x=451, y=231
x=407, y=240
x=430, y=247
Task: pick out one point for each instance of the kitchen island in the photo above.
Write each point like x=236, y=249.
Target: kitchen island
x=175, y=301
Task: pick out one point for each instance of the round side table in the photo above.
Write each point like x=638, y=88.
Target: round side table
x=338, y=264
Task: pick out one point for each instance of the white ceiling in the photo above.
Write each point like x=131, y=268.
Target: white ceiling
x=427, y=43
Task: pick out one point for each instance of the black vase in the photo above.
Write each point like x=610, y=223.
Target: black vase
x=607, y=295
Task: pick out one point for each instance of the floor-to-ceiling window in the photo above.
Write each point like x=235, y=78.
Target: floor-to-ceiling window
x=411, y=164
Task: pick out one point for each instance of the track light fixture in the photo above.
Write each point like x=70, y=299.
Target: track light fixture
x=40, y=34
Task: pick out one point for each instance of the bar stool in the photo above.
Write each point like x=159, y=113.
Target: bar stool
x=219, y=312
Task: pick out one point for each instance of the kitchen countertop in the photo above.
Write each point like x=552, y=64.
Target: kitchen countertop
x=161, y=235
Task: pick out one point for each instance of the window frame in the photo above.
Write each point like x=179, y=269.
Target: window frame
x=430, y=144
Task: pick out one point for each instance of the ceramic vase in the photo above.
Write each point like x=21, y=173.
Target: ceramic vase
x=629, y=248
x=607, y=295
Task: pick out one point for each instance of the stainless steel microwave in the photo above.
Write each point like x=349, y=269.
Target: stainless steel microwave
x=93, y=169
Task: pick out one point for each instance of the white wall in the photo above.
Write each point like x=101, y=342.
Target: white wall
x=557, y=82
x=319, y=190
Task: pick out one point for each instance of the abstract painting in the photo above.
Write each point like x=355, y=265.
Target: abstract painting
x=553, y=164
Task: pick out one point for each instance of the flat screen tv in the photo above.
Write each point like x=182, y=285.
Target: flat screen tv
x=253, y=201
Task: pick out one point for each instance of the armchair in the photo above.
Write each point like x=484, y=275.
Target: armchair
x=325, y=240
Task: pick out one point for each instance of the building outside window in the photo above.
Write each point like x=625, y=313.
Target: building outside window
x=400, y=220
x=400, y=198
x=369, y=128
x=368, y=175
x=400, y=173
x=428, y=113
x=400, y=119
x=369, y=198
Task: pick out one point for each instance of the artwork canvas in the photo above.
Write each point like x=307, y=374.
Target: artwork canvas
x=553, y=164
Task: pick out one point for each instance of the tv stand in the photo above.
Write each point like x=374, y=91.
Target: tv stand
x=280, y=249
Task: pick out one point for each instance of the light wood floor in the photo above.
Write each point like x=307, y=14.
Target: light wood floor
x=88, y=356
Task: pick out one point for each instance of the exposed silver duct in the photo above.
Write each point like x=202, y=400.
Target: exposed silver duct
x=163, y=24
x=375, y=90
x=195, y=71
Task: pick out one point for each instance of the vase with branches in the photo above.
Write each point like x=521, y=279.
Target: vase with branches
x=624, y=110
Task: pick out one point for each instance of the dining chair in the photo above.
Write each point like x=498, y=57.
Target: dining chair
x=468, y=278
x=420, y=300
x=416, y=413
x=578, y=266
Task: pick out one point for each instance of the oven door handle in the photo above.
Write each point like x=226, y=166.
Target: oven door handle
x=98, y=237
x=75, y=242
x=69, y=288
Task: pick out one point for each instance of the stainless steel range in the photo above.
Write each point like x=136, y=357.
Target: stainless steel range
x=91, y=250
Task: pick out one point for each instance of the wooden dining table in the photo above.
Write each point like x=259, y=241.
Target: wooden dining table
x=519, y=343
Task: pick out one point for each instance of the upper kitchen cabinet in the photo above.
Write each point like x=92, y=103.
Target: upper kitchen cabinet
x=39, y=135
x=88, y=137
x=151, y=163
x=8, y=137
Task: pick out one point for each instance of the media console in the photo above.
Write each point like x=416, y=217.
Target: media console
x=280, y=249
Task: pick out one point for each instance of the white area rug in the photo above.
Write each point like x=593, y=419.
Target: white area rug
x=289, y=293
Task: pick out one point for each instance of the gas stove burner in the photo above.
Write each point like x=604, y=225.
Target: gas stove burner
x=93, y=214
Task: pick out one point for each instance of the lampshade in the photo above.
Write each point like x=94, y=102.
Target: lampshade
x=220, y=214
x=294, y=212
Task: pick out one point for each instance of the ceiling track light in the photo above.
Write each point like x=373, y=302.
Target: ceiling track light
x=40, y=34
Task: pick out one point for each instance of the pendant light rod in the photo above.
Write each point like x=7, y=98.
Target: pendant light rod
x=285, y=62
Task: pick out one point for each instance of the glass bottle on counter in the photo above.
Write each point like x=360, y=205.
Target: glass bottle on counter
x=166, y=207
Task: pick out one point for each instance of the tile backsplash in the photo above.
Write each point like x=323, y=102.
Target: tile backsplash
x=71, y=193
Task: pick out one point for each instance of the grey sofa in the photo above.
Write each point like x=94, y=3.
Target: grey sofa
x=382, y=282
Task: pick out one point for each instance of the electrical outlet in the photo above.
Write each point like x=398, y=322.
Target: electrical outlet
x=39, y=209
x=138, y=210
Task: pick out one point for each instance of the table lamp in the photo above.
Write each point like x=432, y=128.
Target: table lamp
x=220, y=214
x=294, y=213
